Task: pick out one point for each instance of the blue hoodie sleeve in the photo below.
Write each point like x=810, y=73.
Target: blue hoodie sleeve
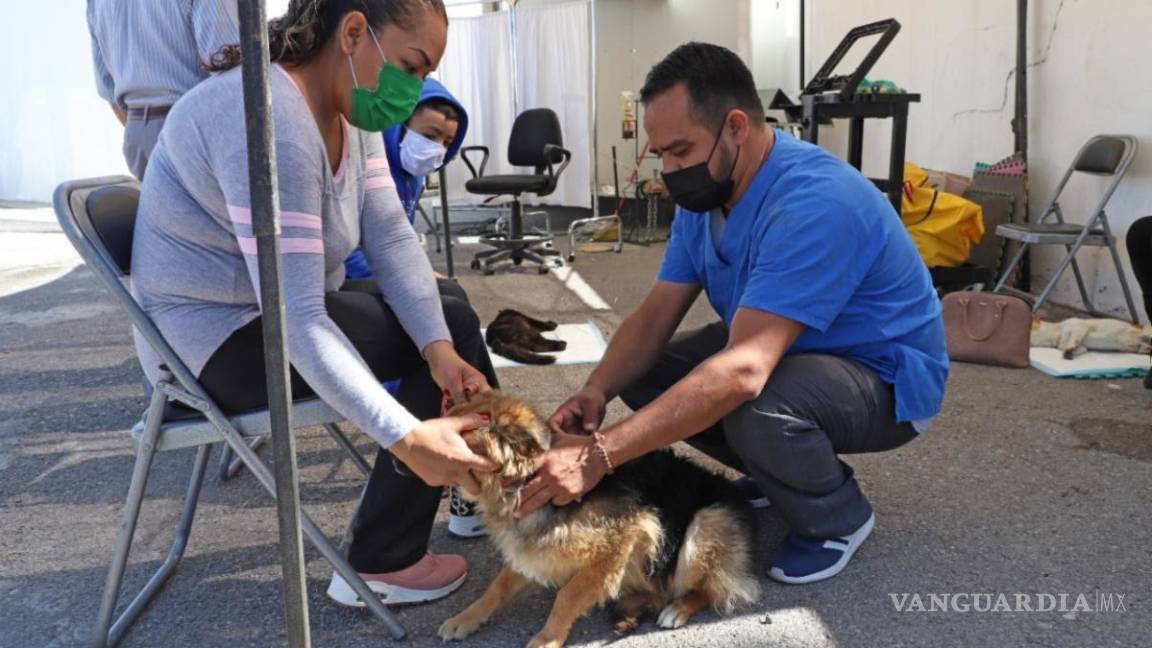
x=356, y=266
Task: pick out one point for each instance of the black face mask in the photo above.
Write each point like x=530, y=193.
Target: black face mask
x=694, y=189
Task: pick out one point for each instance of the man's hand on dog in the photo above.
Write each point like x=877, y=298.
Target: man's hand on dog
x=566, y=472
x=581, y=414
x=436, y=452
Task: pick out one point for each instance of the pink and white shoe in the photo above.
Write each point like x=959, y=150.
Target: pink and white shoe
x=433, y=577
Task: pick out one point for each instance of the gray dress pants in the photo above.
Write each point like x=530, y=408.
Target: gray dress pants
x=813, y=408
x=140, y=137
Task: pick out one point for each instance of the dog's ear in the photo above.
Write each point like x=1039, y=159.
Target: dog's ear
x=521, y=427
x=529, y=440
x=477, y=442
x=482, y=403
x=544, y=438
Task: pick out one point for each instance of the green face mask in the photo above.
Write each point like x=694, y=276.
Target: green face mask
x=391, y=103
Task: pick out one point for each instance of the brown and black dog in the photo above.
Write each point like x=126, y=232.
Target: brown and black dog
x=659, y=536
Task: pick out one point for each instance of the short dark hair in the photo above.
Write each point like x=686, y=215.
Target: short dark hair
x=442, y=106
x=716, y=79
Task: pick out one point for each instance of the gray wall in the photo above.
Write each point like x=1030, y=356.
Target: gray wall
x=632, y=35
x=1089, y=74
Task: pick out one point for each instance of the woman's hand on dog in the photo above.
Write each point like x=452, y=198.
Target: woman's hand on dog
x=452, y=373
x=436, y=452
x=580, y=414
x=566, y=472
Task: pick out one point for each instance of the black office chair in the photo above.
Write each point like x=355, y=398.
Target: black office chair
x=535, y=142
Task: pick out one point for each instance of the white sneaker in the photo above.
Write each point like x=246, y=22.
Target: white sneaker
x=463, y=517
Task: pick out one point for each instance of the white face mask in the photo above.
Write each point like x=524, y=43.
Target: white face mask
x=419, y=155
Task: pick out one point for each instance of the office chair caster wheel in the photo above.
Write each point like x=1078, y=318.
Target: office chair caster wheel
x=517, y=261
x=571, y=258
x=475, y=264
x=488, y=272
x=542, y=270
x=618, y=249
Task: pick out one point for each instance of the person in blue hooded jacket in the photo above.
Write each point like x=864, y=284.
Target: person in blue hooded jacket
x=430, y=138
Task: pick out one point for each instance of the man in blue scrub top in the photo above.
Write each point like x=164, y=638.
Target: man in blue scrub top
x=829, y=339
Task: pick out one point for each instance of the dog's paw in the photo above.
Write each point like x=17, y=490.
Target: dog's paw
x=625, y=626
x=459, y=627
x=674, y=615
x=542, y=641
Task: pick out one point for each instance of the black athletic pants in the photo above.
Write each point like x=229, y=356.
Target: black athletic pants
x=1139, y=241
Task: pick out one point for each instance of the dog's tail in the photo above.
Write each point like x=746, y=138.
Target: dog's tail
x=520, y=354
x=717, y=557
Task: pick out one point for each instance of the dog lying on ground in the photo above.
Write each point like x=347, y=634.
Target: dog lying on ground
x=517, y=337
x=1078, y=336
x=659, y=536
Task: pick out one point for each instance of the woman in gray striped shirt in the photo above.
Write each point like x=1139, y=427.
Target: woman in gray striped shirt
x=194, y=268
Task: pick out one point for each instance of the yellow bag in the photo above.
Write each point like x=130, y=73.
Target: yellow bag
x=942, y=225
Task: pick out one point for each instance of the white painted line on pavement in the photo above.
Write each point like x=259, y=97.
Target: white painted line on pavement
x=574, y=282
x=30, y=260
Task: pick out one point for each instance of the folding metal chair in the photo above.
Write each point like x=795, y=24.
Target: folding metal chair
x=1103, y=155
x=230, y=464
x=98, y=216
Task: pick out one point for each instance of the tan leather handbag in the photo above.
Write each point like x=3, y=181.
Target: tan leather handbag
x=987, y=328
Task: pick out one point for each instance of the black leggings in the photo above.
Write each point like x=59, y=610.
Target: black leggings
x=1139, y=241
x=392, y=524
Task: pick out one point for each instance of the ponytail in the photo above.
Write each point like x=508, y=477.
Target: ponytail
x=298, y=36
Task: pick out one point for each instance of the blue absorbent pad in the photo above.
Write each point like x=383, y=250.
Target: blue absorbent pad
x=586, y=345
x=1090, y=365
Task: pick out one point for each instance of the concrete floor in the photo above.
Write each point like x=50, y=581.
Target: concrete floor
x=1025, y=485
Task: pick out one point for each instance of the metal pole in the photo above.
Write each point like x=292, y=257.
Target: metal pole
x=593, y=135
x=513, y=36
x=447, y=225
x=266, y=226
x=1020, y=123
x=802, y=42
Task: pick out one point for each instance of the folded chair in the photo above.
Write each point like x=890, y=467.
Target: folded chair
x=1106, y=156
x=98, y=216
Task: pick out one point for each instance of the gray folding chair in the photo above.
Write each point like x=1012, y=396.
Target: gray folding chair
x=98, y=216
x=1103, y=155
